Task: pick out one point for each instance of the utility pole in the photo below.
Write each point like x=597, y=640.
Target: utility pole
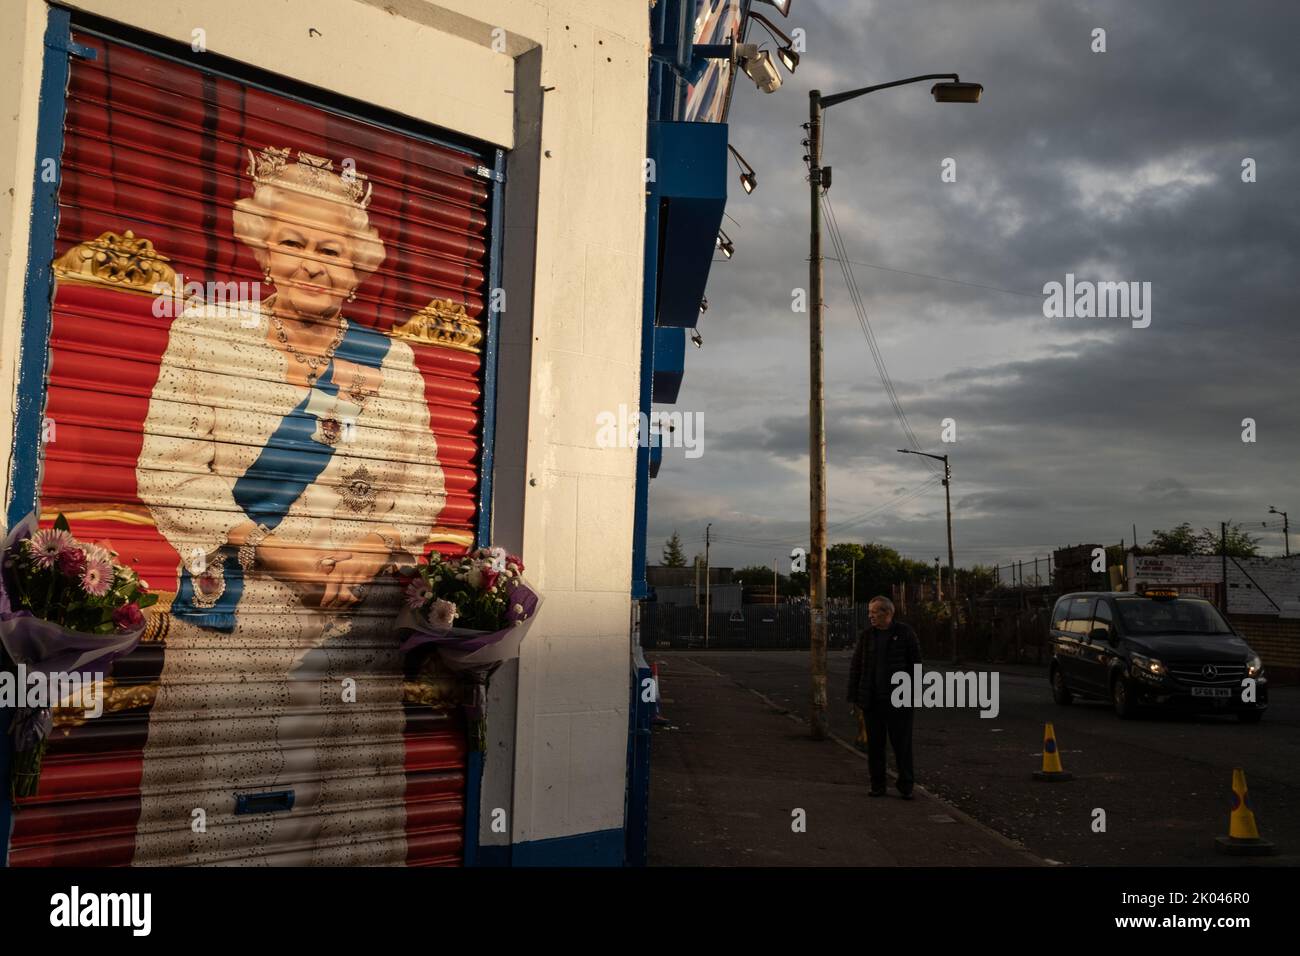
x=774, y=588
x=706, y=582
x=816, y=425
x=1286, y=529
x=950, y=90
x=1223, y=548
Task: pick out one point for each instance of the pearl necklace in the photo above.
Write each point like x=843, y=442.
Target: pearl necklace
x=313, y=362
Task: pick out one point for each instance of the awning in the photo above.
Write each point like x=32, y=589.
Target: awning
x=689, y=185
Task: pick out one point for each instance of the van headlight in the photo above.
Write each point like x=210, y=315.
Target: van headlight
x=1254, y=666
x=1149, y=664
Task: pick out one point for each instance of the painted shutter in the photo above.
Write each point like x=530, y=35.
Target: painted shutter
x=156, y=154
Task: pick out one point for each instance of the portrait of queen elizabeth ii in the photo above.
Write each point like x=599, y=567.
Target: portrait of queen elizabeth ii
x=288, y=459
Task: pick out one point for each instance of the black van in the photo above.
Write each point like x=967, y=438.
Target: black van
x=1153, y=648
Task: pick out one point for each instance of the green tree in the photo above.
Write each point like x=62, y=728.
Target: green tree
x=1183, y=540
x=1179, y=540
x=841, y=561
x=673, y=555
x=1239, y=542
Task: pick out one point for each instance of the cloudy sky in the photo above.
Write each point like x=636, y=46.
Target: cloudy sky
x=1117, y=166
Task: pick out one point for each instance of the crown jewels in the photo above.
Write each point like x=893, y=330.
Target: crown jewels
x=268, y=166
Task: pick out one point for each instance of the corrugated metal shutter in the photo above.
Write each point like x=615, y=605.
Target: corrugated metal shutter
x=167, y=430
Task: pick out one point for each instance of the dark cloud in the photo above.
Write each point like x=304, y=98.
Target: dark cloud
x=1122, y=166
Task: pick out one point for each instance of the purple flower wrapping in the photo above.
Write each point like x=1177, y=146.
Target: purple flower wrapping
x=30, y=725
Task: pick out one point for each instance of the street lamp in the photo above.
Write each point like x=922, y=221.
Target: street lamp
x=951, y=90
x=1286, y=529
x=952, y=573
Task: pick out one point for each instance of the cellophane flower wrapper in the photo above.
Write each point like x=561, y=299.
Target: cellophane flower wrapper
x=472, y=653
x=45, y=648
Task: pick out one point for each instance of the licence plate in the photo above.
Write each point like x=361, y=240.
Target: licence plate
x=1211, y=691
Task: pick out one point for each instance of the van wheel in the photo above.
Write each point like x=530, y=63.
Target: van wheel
x=1060, y=692
x=1121, y=698
x=1250, y=716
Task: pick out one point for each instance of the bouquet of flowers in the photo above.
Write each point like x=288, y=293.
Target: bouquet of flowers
x=66, y=607
x=475, y=609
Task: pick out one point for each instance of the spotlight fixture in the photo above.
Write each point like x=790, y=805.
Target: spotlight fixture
x=789, y=58
x=726, y=245
x=696, y=339
x=704, y=305
x=748, y=180
x=761, y=70
x=782, y=6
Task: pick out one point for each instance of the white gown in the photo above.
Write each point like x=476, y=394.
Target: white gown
x=262, y=708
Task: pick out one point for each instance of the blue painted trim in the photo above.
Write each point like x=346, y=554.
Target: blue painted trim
x=494, y=855
x=490, y=355
x=600, y=848
x=649, y=305
x=636, y=807
x=473, y=796
x=37, y=293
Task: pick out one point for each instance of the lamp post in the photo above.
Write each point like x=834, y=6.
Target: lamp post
x=1286, y=529
x=952, y=572
x=950, y=90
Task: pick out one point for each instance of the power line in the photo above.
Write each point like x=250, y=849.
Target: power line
x=855, y=297
x=926, y=275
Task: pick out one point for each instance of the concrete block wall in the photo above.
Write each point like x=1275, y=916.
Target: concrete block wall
x=1276, y=640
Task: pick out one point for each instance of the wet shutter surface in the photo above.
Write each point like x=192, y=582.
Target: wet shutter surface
x=173, y=420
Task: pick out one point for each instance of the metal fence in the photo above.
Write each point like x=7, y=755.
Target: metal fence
x=752, y=626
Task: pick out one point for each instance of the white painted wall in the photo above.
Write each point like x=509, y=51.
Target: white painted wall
x=570, y=333
x=1251, y=581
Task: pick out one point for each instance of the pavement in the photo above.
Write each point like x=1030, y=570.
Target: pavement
x=731, y=769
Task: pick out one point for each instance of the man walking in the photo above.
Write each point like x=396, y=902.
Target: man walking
x=885, y=648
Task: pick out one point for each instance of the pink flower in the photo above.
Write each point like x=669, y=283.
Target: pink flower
x=97, y=577
x=417, y=594
x=128, y=617
x=490, y=578
x=47, y=544
x=72, y=562
x=513, y=561
x=442, y=613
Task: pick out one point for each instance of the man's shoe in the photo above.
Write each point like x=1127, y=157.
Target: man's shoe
x=906, y=794
x=876, y=792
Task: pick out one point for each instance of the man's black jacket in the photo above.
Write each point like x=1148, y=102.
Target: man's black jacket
x=902, y=650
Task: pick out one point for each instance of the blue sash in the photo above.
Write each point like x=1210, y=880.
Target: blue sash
x=288, y=464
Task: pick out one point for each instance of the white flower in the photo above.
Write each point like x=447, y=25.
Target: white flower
x=442, y=613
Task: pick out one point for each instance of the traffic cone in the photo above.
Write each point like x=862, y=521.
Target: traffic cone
x=1051, y=772
x=1243, y=836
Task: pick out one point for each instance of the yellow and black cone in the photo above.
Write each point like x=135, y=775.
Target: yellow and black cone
x=1051, y=772
x=1243, y=835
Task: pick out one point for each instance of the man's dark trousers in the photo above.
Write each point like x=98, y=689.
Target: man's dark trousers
x=884, y=718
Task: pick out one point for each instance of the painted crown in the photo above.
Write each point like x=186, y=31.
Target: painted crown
x=268, y=166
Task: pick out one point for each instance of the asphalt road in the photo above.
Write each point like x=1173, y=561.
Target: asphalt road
x=1164, y=781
